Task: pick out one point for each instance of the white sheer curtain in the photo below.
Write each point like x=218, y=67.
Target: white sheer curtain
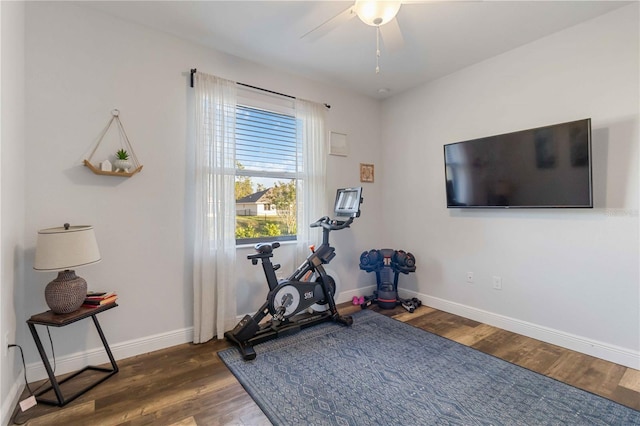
x=311, y=182
x=214, y=276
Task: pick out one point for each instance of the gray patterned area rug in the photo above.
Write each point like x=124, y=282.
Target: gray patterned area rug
x=383, y=372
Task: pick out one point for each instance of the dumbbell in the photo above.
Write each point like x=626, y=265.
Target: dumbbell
x=369, y=260
x=404, y=262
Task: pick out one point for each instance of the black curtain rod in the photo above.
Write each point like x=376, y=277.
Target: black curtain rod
x=194, y=70
x=266, y=90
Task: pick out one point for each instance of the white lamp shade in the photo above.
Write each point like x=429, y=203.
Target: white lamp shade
x=376, y=13
x=63, y=248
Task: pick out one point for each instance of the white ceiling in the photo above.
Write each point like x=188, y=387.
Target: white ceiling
x=440, y=37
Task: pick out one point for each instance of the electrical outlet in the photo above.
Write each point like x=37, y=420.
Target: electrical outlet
x=470, y=277
x=497, y=282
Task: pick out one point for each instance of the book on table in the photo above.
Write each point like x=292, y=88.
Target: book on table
x=99, y=295
x=97, y=299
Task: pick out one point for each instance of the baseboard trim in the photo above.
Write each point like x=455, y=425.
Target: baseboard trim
x=11, y=401
x=347, y=296
x=97, y=356
x=616, y=354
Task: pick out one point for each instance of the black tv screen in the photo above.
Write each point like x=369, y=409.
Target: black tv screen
x=543, y=167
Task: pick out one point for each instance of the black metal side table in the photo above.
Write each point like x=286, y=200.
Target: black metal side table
x=60, y=320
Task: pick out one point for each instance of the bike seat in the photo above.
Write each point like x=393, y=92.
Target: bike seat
x=265, y=248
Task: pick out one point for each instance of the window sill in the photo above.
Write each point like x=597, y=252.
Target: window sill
x=252, y=245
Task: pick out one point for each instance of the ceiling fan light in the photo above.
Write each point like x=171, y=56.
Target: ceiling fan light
x=376, y=13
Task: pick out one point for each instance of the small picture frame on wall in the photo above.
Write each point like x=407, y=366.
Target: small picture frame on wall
x=366, y=172
x=338, y=144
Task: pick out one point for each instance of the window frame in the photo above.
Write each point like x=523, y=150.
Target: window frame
x=274, y=104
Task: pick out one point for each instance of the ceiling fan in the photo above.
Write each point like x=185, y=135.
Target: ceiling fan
x=379, y=14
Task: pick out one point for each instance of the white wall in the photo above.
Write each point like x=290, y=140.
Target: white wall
x=80, y=64
x=569, y=276
x=12, y=197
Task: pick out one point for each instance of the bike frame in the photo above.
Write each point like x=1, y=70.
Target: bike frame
x=289, y=316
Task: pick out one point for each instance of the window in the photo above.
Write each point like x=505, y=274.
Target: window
x=267, y=157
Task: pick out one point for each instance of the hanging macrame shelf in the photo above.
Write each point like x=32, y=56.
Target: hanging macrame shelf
x=134, y=164
x=106, y=173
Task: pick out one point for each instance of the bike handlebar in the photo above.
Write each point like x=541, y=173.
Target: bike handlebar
x=332, y=224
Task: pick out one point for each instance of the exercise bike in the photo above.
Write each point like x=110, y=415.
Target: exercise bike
x=303, y=299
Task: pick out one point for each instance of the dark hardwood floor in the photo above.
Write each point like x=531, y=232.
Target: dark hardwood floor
x=189, y=385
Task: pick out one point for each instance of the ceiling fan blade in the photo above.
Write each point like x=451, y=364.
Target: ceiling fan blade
x=392, y=36
x=329, y=25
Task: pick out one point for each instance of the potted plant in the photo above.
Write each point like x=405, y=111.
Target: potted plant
x=122, y=161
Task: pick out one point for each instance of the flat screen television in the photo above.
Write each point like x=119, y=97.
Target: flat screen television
x=545, y=167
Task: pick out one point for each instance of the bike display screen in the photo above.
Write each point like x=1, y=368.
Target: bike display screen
x=348, y=202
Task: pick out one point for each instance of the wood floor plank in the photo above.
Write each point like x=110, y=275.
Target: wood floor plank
x=469, y=336
x=570, y=367
x=147, y=401
x=602, y=377
x=441, y=323
x=405, y=315
x=221, y=402
x=631, y=380
x=233, y=412
x=56, y=416
x=626, y=396
x=189, y=385
x=189, y=421
x=536, y=355
x=254, y=417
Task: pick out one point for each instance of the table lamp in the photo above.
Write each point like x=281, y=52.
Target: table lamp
x=61, y=249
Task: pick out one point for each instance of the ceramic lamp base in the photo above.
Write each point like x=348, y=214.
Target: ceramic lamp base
x=66, y=293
